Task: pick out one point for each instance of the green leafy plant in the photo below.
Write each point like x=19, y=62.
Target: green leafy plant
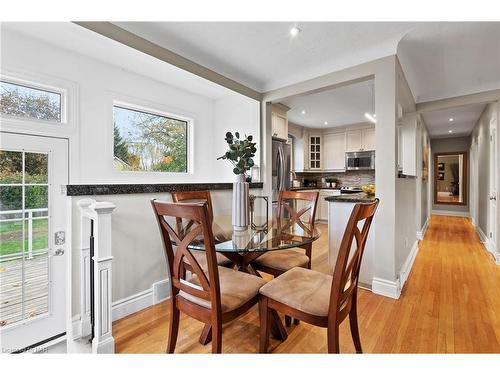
x=240, y=153
x=332, y=180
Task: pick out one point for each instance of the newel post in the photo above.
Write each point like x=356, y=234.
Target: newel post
x=96, y=283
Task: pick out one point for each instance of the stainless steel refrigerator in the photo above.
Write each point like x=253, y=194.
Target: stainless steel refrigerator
x=281, y=169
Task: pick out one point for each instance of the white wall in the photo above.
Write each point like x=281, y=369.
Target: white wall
x=99, y=84
x=481, y=137
x=299, y=146
x=93, y=85
x=233, y=113
x=408, y=190
x=384, y=72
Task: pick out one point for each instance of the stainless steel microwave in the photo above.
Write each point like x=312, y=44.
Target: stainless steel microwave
x=362, y=160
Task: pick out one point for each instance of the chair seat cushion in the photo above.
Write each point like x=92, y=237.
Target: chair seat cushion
x=236, y=288
x=201, y=258
x=283, y=260
x=302, y=289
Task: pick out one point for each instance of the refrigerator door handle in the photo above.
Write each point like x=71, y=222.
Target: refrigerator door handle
x=282, y=172
x=278, y=169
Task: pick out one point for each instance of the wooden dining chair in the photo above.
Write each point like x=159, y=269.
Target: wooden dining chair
x=320, y=299
x=214, y=295
x=199, y=196
x=294, y=208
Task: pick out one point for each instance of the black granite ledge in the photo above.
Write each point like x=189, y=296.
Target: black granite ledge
x=112, y=189
x=351, y=198
x=313, y=188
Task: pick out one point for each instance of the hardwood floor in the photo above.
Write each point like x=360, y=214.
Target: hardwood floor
x=450, y=304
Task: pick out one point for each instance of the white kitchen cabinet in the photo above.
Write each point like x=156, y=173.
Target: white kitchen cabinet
x=369, y=139
x=354, y=140
x=279, y=121
x=322, y=208
x=334, y=147
x=360, y=140
x=279, y=126
x=300, y=204
x=315, y=152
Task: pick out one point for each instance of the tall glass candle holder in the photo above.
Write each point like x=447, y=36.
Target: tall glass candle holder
x=259, y=212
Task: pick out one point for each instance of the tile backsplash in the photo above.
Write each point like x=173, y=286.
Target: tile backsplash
x=348, y=178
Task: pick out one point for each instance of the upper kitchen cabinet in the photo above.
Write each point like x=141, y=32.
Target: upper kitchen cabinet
x=315, y=152
x=334, y=152
x=279, y=121
x=360, y=140
x=369, y=139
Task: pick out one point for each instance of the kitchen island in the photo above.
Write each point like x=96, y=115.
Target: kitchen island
x=339, y=211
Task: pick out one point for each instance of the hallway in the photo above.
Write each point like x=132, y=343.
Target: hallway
x=450, y=304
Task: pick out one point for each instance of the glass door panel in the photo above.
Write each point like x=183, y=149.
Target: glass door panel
x=24, y=232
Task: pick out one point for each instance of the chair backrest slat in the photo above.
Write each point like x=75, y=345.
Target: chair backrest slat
x=285, y=199
x=193, y=196
x=199, y=228
x=348, y=264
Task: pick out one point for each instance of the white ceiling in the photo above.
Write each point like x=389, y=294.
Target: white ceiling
x=79, y=40
x=464, y=119
x=448, y=59
x=263, y=55
x=341, y=106
x=440, y=59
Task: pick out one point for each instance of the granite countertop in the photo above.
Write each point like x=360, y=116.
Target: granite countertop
x=314, y=188
x=352, y=198
x=110, y=189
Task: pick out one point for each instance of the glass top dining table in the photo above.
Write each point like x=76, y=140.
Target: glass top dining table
x=284, y=234
x=243, y=247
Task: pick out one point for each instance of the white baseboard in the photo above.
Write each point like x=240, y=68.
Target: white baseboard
x=481, y=234
x=392, y=289
x=408, y=265
x=136, y=302
x=126, y=306
x=131, y=304
x=451, y=213
x=488, y=245
x=421, y=232
x=386, y=288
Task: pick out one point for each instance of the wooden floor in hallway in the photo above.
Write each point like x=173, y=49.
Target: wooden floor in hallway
x=450, y=304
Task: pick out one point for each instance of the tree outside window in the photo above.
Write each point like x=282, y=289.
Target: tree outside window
x=149, y=142
x=28, y=102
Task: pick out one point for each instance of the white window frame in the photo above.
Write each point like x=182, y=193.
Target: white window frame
x=158, y=112
x=38, y=86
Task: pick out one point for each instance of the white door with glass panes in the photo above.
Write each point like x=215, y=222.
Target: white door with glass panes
x=32, y=232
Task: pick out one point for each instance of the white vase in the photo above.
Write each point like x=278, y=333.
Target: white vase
x=241, y=204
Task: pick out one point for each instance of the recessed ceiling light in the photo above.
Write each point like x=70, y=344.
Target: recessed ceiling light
x=450, y=131
x=303, y=112
x=450, y=119
x=294, y=31
x=326, y=122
